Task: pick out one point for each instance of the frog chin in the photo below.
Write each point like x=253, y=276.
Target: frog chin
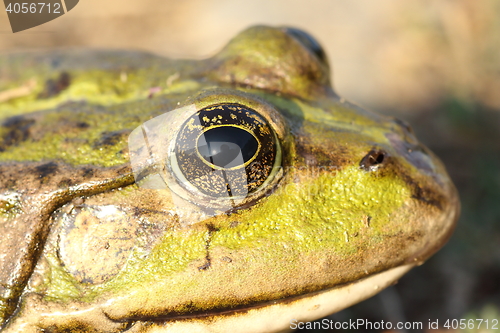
x=282, y=315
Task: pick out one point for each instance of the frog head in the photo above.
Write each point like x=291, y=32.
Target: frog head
x=314, y=203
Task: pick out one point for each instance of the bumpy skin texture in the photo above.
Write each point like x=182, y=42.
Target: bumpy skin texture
x=357, y=194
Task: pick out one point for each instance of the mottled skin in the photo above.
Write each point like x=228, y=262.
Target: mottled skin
x=84, y=248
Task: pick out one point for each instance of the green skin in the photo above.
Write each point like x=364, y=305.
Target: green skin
x=93, y=239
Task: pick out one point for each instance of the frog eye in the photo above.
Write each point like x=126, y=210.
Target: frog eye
x=225, y=151
x=309, y=42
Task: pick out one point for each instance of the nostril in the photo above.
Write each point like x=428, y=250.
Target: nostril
x=373, y=160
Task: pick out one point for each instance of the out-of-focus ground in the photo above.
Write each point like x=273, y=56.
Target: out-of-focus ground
x=434, y=63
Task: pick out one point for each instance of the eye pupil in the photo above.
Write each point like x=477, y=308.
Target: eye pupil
x=227, y=146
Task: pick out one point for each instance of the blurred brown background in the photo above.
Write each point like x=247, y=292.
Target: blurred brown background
x=435, y=63
x=393, y=53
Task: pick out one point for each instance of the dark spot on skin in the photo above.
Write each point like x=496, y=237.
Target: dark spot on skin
x=46, y=169
x=88, y=172
x=234, y=224
x=138, y=212
x=318, y=157
x=18, y=131
x=227, y=259
x=205, y=266
x=54, y=87
x=111, y=138
x=422, y=195
x=65, y=183
x=310, y=159
x=10, y=183
x=373, y=160
x=82, y=125
x=368, y=221
x=87, y=280
x=211, y=229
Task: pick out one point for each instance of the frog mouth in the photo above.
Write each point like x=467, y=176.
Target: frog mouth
x=277, y=315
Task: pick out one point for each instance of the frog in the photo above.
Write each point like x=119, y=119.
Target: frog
x=107, y=227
